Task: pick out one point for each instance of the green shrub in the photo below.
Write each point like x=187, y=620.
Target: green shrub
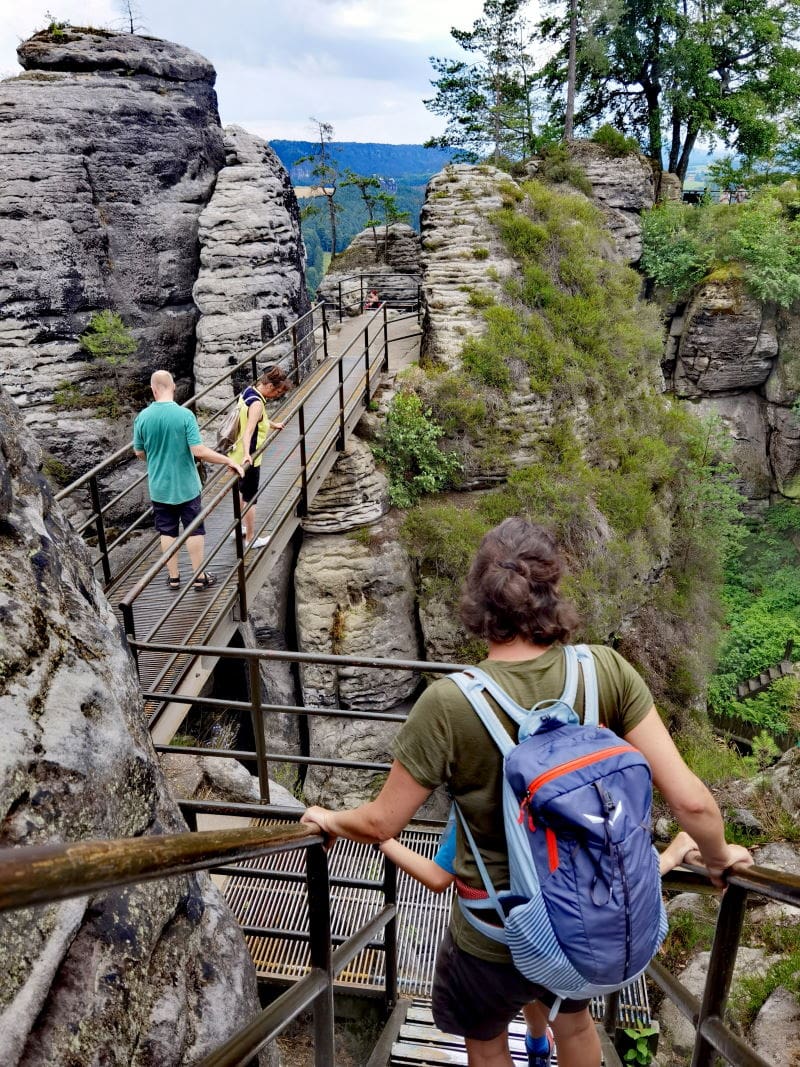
x=479, y=298
x=671, y=255
x=409, y=450
x=615, y=141
x=480, y=253
x=557, y=166
x=67, y=397
x=109, y=339
x=442, y=539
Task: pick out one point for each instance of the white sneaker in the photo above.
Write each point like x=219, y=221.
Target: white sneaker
x=232, y=534
x=260, y=542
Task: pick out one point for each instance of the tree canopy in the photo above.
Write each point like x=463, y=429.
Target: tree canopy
x=670, y=71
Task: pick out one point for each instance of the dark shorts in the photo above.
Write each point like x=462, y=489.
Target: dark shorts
x=478, y=999
x=248, y=486
x=168, y=517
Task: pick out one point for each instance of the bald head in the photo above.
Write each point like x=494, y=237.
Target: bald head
x=163, y=384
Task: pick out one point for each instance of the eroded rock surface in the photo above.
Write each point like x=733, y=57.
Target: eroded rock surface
x=151, y=974
x=111, y=146
x=385, y=260
x=251, y=285
x=354, y=494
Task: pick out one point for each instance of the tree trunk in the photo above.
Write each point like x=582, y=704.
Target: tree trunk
x=688, y=145
x=332, y=213
x=569, y=115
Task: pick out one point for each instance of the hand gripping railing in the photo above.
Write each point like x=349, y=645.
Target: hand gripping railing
x=42, y=874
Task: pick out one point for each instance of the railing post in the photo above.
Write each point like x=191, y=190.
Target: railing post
x=324, y=333
x=254, y=368
x=610, y=1013
x=319, y=928
x=341, y=311
x=366, y=367
x=296, y=354
x=100, y=528
x=390, y=934
x=302, y=507
x=241, y=575
x=720, y=969
x=258, y=729
x=130, y=631
x=385, y=367
x=340, y=444
x=361, y=291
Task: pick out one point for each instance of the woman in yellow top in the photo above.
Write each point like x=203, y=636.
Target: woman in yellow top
x=254, y=425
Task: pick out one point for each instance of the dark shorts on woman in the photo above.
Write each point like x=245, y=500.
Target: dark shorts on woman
x=168, y=517
x=248, y=486
x=477, y=999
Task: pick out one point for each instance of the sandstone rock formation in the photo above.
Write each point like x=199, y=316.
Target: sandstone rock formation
x=461, y=253
x=251, y=283
x=354, y=494
x=354, y=596
x=156, y=973
x=393, y=269
x=111, y=148
x=622, y=187
x=739, y=359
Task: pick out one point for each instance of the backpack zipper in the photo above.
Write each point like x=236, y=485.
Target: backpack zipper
x=573, y=765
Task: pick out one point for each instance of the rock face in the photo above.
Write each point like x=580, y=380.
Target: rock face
x=354, y=597
x=390, y=264
x=251, y=283
x=461, y=253
x=355, y=493
x=741, y=361
x=156, y=973
x=623, y=187
x=110, y=151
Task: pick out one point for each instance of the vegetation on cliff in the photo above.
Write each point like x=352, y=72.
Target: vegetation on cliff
x=637, y=490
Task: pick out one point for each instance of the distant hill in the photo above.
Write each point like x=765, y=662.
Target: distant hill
x=408, y=161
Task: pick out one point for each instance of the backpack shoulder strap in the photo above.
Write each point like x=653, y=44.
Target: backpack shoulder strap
x=591, y=707
x=472, y=683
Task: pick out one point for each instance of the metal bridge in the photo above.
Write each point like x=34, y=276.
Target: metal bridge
x=355, y=925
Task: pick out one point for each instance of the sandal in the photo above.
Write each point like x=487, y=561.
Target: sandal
x=203, y=581
x=173, y=583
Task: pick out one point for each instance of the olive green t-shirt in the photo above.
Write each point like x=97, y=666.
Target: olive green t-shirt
x=443, y=742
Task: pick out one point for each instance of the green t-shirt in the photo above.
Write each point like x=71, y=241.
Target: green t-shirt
x=165, y=432
x=443, y=742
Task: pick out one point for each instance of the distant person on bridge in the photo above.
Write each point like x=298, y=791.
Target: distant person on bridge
x=254, y=427
x=372, y=301
x=167, y=437
x=439, y=873
x=511, y=599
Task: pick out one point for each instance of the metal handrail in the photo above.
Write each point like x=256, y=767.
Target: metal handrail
x=714, y=1036
x=43, y=874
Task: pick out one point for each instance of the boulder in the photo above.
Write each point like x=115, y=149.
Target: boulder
x=251, y=282
x=354, y=494
x=784, y=450
x=784, y=780
x=151, y=973
x=112, y=144
x=729, y=342
x=776, y=1032
x=678, y=1034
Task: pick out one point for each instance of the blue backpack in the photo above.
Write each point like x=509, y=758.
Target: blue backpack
x=583, y=914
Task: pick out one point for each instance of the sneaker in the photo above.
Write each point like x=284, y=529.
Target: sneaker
x=541, y=1059
x=260, y=542
x=232, y=534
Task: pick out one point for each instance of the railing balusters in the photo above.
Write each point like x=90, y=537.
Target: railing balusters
x=720, y=970
x=241, y=573
x=97, y=507
x=258, y=729
x=319, y=925
x=302, y=507
x=296, y=355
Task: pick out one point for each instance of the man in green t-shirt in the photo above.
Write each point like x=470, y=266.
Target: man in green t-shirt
x=167, y=437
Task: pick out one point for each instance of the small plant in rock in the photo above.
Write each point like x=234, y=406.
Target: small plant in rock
x=615, y=141
x=109, y=339
x=415, y=463
x=639, y=1044
x=67, y=397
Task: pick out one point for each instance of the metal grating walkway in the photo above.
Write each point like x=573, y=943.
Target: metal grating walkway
x=264, y=902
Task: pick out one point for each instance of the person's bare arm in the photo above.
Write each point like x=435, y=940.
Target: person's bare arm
x=381, y=818
x=254, y=414
x=434, y=877
x=210, y=456
x=139, y=455
x=679, y=849
x=689, y=800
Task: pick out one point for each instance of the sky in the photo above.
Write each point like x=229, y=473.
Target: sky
x=364, y=67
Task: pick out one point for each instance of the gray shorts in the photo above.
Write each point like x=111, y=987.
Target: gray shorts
x=476, y=998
